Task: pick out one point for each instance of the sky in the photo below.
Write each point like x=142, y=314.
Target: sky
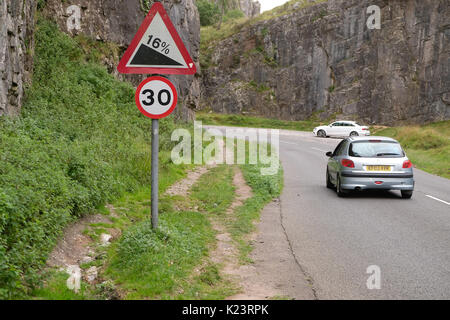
x=270, y=4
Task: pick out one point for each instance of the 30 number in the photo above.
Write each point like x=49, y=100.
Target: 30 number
x=150, y=98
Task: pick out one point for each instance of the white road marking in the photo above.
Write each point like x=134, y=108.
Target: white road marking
x=321, y=150
x=437, y=199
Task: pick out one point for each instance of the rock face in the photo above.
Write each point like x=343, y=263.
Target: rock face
x=324, y=61
x=250, y=8
x=118, y=21
x=16, y=46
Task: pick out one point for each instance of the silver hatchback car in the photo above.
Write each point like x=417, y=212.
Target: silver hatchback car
x=363, y=163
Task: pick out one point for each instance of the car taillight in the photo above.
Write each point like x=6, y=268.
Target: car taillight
x=348, y=163
x=365, y=128
x=407, y=164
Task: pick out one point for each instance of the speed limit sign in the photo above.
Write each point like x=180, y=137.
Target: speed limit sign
x=156, y=97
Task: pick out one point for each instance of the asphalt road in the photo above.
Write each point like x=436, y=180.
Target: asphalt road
x=336, y=239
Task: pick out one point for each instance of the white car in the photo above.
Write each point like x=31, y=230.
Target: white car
x=341, y=129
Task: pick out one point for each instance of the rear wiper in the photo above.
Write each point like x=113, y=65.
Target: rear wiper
x=387, y=154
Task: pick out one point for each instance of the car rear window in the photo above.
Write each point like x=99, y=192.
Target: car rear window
x=376, y=149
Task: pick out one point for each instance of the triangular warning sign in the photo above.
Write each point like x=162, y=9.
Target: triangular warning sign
x=157, y=48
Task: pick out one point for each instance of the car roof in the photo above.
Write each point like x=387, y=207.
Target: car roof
x=372, y=138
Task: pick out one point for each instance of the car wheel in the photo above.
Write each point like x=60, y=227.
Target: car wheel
x=340, y=192
x=407, y=194
x=329, y=184
x=321, y=134
x=354, y=134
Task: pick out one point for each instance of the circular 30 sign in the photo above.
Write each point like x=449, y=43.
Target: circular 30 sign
x=156, y=97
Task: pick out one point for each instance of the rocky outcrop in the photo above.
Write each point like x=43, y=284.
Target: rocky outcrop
x=323, y=61
x=118, y=21
x=16, y=47
x=250, y=8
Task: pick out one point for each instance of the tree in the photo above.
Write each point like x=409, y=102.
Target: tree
x=223, y=4
x=209, y=12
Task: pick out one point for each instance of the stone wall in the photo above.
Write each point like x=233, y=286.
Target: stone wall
x=16, y=47
x=324, y=61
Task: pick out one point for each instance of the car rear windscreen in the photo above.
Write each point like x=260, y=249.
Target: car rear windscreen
x=374, y=149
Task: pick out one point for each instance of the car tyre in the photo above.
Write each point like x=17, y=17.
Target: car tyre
x=340, y=192
x=354, y=134
x=407, y=194
x=329, y=184
x=321, y=134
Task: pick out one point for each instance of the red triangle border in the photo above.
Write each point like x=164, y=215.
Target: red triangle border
x=156, y=8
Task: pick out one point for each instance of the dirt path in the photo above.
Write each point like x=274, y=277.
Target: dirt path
x=274, y=272
x=227, y=255
x=75, y=247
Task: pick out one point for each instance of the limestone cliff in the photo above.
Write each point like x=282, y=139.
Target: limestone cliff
x=250, y=8
x=323, y=60
x=16, y=46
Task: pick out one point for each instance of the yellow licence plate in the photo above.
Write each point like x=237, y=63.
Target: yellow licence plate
x=378, y=168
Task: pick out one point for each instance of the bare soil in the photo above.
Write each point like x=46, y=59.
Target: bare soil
x=75, y=245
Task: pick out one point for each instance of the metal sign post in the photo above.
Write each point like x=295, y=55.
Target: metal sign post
x=156, y=98
x=156, y=48
x=155, y=163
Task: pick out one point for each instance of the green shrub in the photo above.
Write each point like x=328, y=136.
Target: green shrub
x=209, y=12
x=79, y=142
x=233, y=15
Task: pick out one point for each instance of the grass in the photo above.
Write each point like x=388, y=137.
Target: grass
x=149, y=264
x=255, y=122
x=264, y=188
x=160, y=265
x=173, y=262
x=56, y=288
x=79, y=142
x=427, y=146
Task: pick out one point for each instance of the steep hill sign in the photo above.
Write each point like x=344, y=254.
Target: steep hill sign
x=157, y=48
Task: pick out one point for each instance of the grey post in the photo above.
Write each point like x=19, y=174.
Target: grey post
x=155, y=151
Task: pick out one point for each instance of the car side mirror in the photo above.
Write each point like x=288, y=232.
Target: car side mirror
x=329, y=154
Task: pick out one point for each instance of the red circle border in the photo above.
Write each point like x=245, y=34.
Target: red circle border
x=138, y=102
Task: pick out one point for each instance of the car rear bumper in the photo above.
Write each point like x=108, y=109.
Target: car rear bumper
x=361, y=181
